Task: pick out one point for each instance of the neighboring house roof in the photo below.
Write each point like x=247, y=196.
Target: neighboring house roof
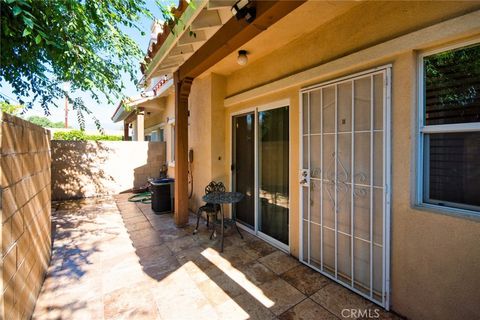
x=159, y=90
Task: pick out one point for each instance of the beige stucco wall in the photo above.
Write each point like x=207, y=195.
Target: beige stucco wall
x=434, y=257
x=25, y=234
x=83, y=169
x=363, y=26
x=161, y=110
x=206, y=134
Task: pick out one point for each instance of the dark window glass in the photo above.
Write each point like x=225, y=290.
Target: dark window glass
x=452, y=169
x=452, y=86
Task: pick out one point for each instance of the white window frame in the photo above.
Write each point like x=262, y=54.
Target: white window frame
x=422, y=129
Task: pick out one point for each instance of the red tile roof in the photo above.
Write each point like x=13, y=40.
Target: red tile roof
x=162, y=36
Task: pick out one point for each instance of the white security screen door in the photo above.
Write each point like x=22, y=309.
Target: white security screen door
x=344, y=181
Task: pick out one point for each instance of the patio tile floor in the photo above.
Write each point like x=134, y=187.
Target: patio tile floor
x=113, y=259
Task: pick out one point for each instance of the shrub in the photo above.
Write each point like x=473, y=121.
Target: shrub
x=78, y=135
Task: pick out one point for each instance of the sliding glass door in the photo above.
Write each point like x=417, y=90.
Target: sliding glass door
x=260, y=170
x=243, y=167
x=273, y=175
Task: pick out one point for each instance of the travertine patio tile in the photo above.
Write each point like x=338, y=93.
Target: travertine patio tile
x=236, y=256
x=215, y=292
x=244, y=307
x=180, y=244
x=228, y=286
x=135, y=219
x=161, y=269
x=196, y=274
x=170, y=233
x=257, y=273
x=127, y=275
x=144, y=238
x=283, y=295
x=77, y=309
x=139, y=265
x=279, y=262
x=335, y=298
x=120, y=259
x=260, y=247
x=150, y=255
x=138, y=226
x=120, y=305
x=194, y=256
x=232, y=311
x=307, y=310
x=305, y=279
x=178, y=298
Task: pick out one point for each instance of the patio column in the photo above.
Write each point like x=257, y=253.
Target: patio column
x=140, y=126
x=182, y=91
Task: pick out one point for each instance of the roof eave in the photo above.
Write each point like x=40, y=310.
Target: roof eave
x=182, y=26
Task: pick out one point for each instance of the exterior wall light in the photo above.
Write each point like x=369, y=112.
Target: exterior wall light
x=243, y=9
x=242, y=57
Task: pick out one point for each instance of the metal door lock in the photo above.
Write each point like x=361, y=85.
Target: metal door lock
x=304, y=177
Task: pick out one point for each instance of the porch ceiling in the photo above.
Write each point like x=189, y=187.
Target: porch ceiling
x=310, y=16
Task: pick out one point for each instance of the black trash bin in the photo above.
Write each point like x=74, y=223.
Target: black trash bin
x=162, y=195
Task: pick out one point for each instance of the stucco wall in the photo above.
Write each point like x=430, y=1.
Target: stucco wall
x=25, y=207
x=434, y=257
x=162, y=110
x=199, y=137
x=364, y=25
x=88, y=169
x=207, y=135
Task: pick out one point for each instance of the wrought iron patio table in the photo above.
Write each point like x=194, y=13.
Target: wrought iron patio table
x=222, y=198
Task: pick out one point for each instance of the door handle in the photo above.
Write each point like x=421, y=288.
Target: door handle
x=304, y=177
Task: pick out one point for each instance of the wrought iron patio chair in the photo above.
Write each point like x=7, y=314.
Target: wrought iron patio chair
x=209, y=208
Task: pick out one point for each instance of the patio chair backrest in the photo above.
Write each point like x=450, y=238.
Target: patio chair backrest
x=214, y=187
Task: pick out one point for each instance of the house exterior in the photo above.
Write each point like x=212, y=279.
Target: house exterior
x=353, y=130
x=150, y=116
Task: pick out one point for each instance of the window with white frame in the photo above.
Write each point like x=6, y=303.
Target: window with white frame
x=449, y=130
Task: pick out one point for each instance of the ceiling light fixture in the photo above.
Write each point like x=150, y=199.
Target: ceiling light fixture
x=242, y=58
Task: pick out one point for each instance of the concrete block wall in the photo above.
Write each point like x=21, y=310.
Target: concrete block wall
x=26, y=211
x=82, y=169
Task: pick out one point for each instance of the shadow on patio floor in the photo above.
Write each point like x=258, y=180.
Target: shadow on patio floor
x=114, y=259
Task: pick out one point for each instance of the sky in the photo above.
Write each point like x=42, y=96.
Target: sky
x=102, y=111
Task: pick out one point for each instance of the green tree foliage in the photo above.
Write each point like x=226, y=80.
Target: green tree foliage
x=10, y=108
x=51, y=42
x=47, y=43
x=45, y=122
x=79, y=135
x=452, y=86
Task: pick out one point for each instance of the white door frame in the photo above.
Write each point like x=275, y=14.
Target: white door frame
x=386, y=70
x=255, y=110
